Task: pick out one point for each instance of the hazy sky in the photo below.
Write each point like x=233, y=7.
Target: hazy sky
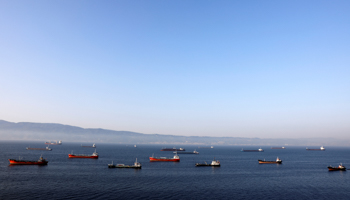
x=267, y=69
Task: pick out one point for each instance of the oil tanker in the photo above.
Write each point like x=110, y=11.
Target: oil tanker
x=94, y=155
x=41, y=161
x=278, y=161
x=176, y=158
x=320, y=149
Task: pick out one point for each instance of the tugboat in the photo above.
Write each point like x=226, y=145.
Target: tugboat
x=259, y=150
x=173, y=149
x=320, y=149
x=54, y=143
x=339, y=168
x=41, y=161
x=42, y=149
x=214, y=163
x=93, y=146
x=176, y=158
x=136, y=165
x=184, y=152
x=278, y=161
x=94, y=155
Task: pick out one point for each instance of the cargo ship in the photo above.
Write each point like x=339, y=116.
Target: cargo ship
x=136, y=165
x=54, y=143
x=211, y=147
x=173, y=149
x=41, y=161
x=214, y=163
x=42, y=149
x=94, y=155
x=186, y=152
x=277, y=147
x=93, y=146
x=259, y=150
x=176, y=158
x=278, y=161
x=320, y=149
x=339, y=168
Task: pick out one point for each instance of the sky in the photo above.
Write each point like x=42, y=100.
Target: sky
x=266, y=69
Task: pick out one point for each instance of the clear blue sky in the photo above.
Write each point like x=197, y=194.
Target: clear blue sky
x=267, y=69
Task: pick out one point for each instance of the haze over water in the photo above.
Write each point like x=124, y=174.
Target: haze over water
x=303, y=174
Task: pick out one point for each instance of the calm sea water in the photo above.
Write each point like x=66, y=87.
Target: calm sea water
x=303, y=174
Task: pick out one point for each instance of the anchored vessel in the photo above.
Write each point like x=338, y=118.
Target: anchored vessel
x=42, y=149
x=176, y=158
x=136, y=165
x=278, y=161
x=214, y=163
x=41, y=161
x=188, y=152
x=277, y=147
x=259, y=150
x=94, y=155
x=320, y=149
x=54, y=143
x=339, y=168
x=93, y=146
x=173, y=149
x=211, y=147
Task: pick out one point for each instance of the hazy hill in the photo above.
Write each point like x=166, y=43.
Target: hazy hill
x=67, y=133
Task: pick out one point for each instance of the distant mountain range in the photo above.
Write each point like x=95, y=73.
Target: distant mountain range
x=67, y=133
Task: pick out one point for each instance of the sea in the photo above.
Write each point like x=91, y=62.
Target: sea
x=302, y=175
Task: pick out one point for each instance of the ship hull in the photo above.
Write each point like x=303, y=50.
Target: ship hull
x=336, y=169
x=40, y=149
x=251, y=151
x=125, y=166
x=82, y=156
x=269, y=162
x=314, y=149
x=184, y=152
x=173, y=149
x=164, y=159
x=24, y=162
x=206, y=165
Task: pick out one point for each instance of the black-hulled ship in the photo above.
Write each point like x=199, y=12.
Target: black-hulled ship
x=173, y=149
x=259, y=150
x=186, y=152
x=320, y=149
x=278, y=161
x=339, y=168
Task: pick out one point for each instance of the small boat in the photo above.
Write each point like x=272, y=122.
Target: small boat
x=54, y=143
x=214, y=163
x=176, y=158
x=259, y=150
x=42, y=149
x=339, y=168
x=186, y=152
x=41, y=161
x=173, y=149
x=135, y=146
x=93, y=146
x=278, y=161
x=136, y=165
x=277, y=147
x=320, y=149
x=94, y=155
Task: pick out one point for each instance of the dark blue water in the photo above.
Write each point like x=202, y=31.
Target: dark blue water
x=303, y=174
